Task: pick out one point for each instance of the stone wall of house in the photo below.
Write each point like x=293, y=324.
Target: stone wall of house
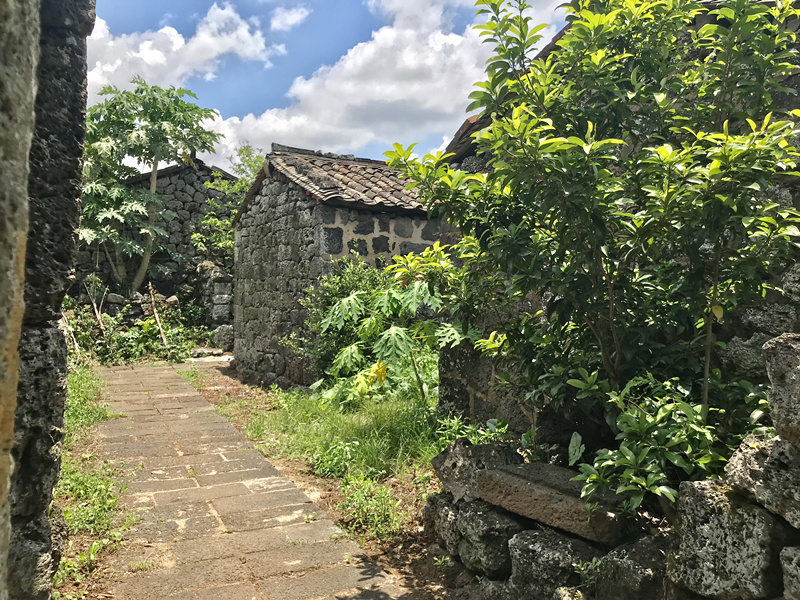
x=54, y=191
x=19, y=52
x=522, y=527
x=284, y=242
x=375, y=236
x=176, y=268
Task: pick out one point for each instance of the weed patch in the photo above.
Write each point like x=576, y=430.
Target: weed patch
x=370, y=508
x=193, y=376
x=87, y=491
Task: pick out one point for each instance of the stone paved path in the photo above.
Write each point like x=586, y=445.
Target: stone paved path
x=226, y=525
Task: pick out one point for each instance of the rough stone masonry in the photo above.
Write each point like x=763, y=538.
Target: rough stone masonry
x=53, y=191
x=19, y=51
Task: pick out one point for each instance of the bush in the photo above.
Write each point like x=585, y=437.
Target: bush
x=630, y=185
x=348, y=275
x=118, y=342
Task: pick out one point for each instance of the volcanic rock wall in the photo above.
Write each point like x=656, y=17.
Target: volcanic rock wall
x=19, y=51
x=285, y=240
x=53, y=189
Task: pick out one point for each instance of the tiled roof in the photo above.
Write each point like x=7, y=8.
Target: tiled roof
x=344, y=179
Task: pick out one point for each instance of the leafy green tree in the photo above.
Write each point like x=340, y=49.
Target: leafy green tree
x=214, y=235
x=631, y=182
x=148, y=126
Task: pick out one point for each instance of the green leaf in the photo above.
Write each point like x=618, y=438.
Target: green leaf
x=576, y=448
x=394, y=344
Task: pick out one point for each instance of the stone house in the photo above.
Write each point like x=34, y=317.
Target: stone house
x=304, y=209
x=178, y=264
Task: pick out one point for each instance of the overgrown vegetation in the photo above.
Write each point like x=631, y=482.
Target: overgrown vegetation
x=214, y=234
x=630, y=188
x=116, y=340
x=87, y=490
x=149, y=126
x=386, y=438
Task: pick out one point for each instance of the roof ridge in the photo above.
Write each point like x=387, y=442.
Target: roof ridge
x=282, y=149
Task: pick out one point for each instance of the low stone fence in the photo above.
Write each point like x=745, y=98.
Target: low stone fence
x=523, y=529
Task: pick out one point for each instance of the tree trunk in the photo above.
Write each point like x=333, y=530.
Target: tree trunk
x=151, y=219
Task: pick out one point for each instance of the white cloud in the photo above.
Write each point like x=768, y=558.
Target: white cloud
x=284, y=19
x=410, y=81
x=165, y=57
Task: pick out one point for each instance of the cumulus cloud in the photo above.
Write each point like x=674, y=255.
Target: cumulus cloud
x=165, y=57
x=410, y=81
x=284, y=19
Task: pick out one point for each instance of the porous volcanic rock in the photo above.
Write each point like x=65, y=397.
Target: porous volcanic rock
x=543, y=561
x=223, y=337
x=768, y=471
x=547, y=494
x=790, y=563
x=727, y=548
x=783, y=366
x=486, y=531
x=635, y=570
x=439, y=519
x=459, y=464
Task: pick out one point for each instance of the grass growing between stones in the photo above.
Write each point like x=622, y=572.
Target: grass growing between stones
x=193, y=377
x=87, y=491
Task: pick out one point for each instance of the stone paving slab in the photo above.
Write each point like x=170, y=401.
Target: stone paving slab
x=231, y=525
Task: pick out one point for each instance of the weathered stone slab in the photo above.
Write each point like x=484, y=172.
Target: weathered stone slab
x=635, y=570
x=783, y=367
x=328, y=583
x=439, y=519
x=543, y=561
x=727, y=548
x=768, y=471
x=485, y=532
x=790, y=563
x=265, y=518
x=545, y=493
x=458, y=466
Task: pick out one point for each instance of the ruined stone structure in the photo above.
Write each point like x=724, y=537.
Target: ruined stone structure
x=52, y=184
x=304, y=209
x=179, y=267
x=522, y=527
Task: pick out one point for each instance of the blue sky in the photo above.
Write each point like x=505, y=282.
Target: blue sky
x=349, y=76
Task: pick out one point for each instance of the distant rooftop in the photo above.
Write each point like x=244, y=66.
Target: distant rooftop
x=344, y=179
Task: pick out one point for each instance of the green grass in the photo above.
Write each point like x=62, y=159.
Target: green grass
x=193, y=376
x=84, y=409
x=381, y=438
x=370, y=507
x=87, y=490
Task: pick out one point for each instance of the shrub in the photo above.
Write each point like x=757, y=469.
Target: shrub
x=118, y=342
x=630, y=182
x=348, y=275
